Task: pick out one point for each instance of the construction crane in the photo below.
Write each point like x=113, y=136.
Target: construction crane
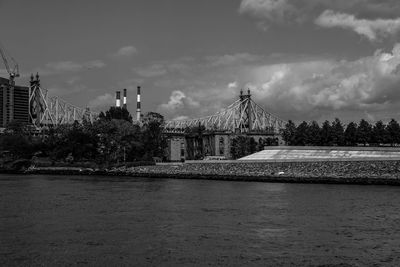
x=14, y=71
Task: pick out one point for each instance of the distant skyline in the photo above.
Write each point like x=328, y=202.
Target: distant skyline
x=301, y=59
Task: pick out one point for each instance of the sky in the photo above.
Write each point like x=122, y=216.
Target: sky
x=301, y=59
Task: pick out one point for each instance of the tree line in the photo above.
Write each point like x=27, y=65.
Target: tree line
x=113, y=138
x=335, y=133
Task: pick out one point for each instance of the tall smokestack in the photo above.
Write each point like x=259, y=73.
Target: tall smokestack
x=124, y=100
x=138, y=104
x=118, y=99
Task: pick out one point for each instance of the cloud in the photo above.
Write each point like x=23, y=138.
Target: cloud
x=70, y=66
x=233, y=85
x=180, y=118
x=125, y=51
x=272, y=12
x=102, y=102
x=372, y=29
x=60, y=67
x=73, y=80
x=152, y=71
x=230, y=59
x=299, y=89
x=177, y=101
x=161, y=68
x=315, y=88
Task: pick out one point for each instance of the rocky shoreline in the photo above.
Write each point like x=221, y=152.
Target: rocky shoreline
x=352, y=172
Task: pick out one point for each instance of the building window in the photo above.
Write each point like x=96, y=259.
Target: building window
x=221, y=146
x=182, y=149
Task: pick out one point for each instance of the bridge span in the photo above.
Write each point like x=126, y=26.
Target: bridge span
x=53, y=110
x=242, y=116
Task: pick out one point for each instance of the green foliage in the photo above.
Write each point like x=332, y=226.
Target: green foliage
x=335, y=134
x=393, y=132
x=379, y=135
x=301, y=134
x=154, y=143
x=243, y=145
x=350, y=134
x=326, y=134
x=116, y=113
x=106, y=141
x=313, y=134
x=364, y=132
x=289, y=133
x=240, y=146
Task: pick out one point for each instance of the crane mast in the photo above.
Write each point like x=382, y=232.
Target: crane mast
x=13, y=72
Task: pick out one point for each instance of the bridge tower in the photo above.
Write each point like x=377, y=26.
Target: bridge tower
x=245, y=114
x=38, y=108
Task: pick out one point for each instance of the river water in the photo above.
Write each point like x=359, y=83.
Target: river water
x=108, y=221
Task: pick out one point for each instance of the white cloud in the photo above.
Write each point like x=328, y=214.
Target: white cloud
x=102, y=102
x=180, y=118
x=317, y=88
x=233, y=85
x=372, y=29
x=70, y=66
x=125, y=51
x=268, y=12
x=177, y=102
x=60, y=67
x=73, y=80
x=231, y=59
x=152, y=71
x=299, y=89
x=267, y=9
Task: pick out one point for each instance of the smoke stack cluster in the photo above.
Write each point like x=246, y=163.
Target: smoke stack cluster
x=118, y=99
x=124, y=100
x=138, y=104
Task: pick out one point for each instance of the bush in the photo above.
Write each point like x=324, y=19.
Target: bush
x=139, y=163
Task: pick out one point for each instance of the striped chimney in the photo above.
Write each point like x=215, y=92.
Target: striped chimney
x=124, y=100
x=138, y=104
x=118, y=99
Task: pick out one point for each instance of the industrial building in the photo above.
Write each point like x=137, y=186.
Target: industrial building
x=14, y=101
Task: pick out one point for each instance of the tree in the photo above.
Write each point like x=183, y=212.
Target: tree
x=364, y=132
x=116, y=113
x=289, y=133
x=301, y=134
x=326, y=134
x=240, y=146
x=313, y=134
x=337, y=132
x=16, y=140
x=379, y=134
x=154, y=141
x=393, y=132
x=350, y=134
x=252, y=145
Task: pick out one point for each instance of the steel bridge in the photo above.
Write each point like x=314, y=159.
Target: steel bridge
x=47, y=110
x=242, y=116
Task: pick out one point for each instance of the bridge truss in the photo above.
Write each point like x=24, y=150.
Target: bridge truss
x=45, y=110
x=242, y=116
